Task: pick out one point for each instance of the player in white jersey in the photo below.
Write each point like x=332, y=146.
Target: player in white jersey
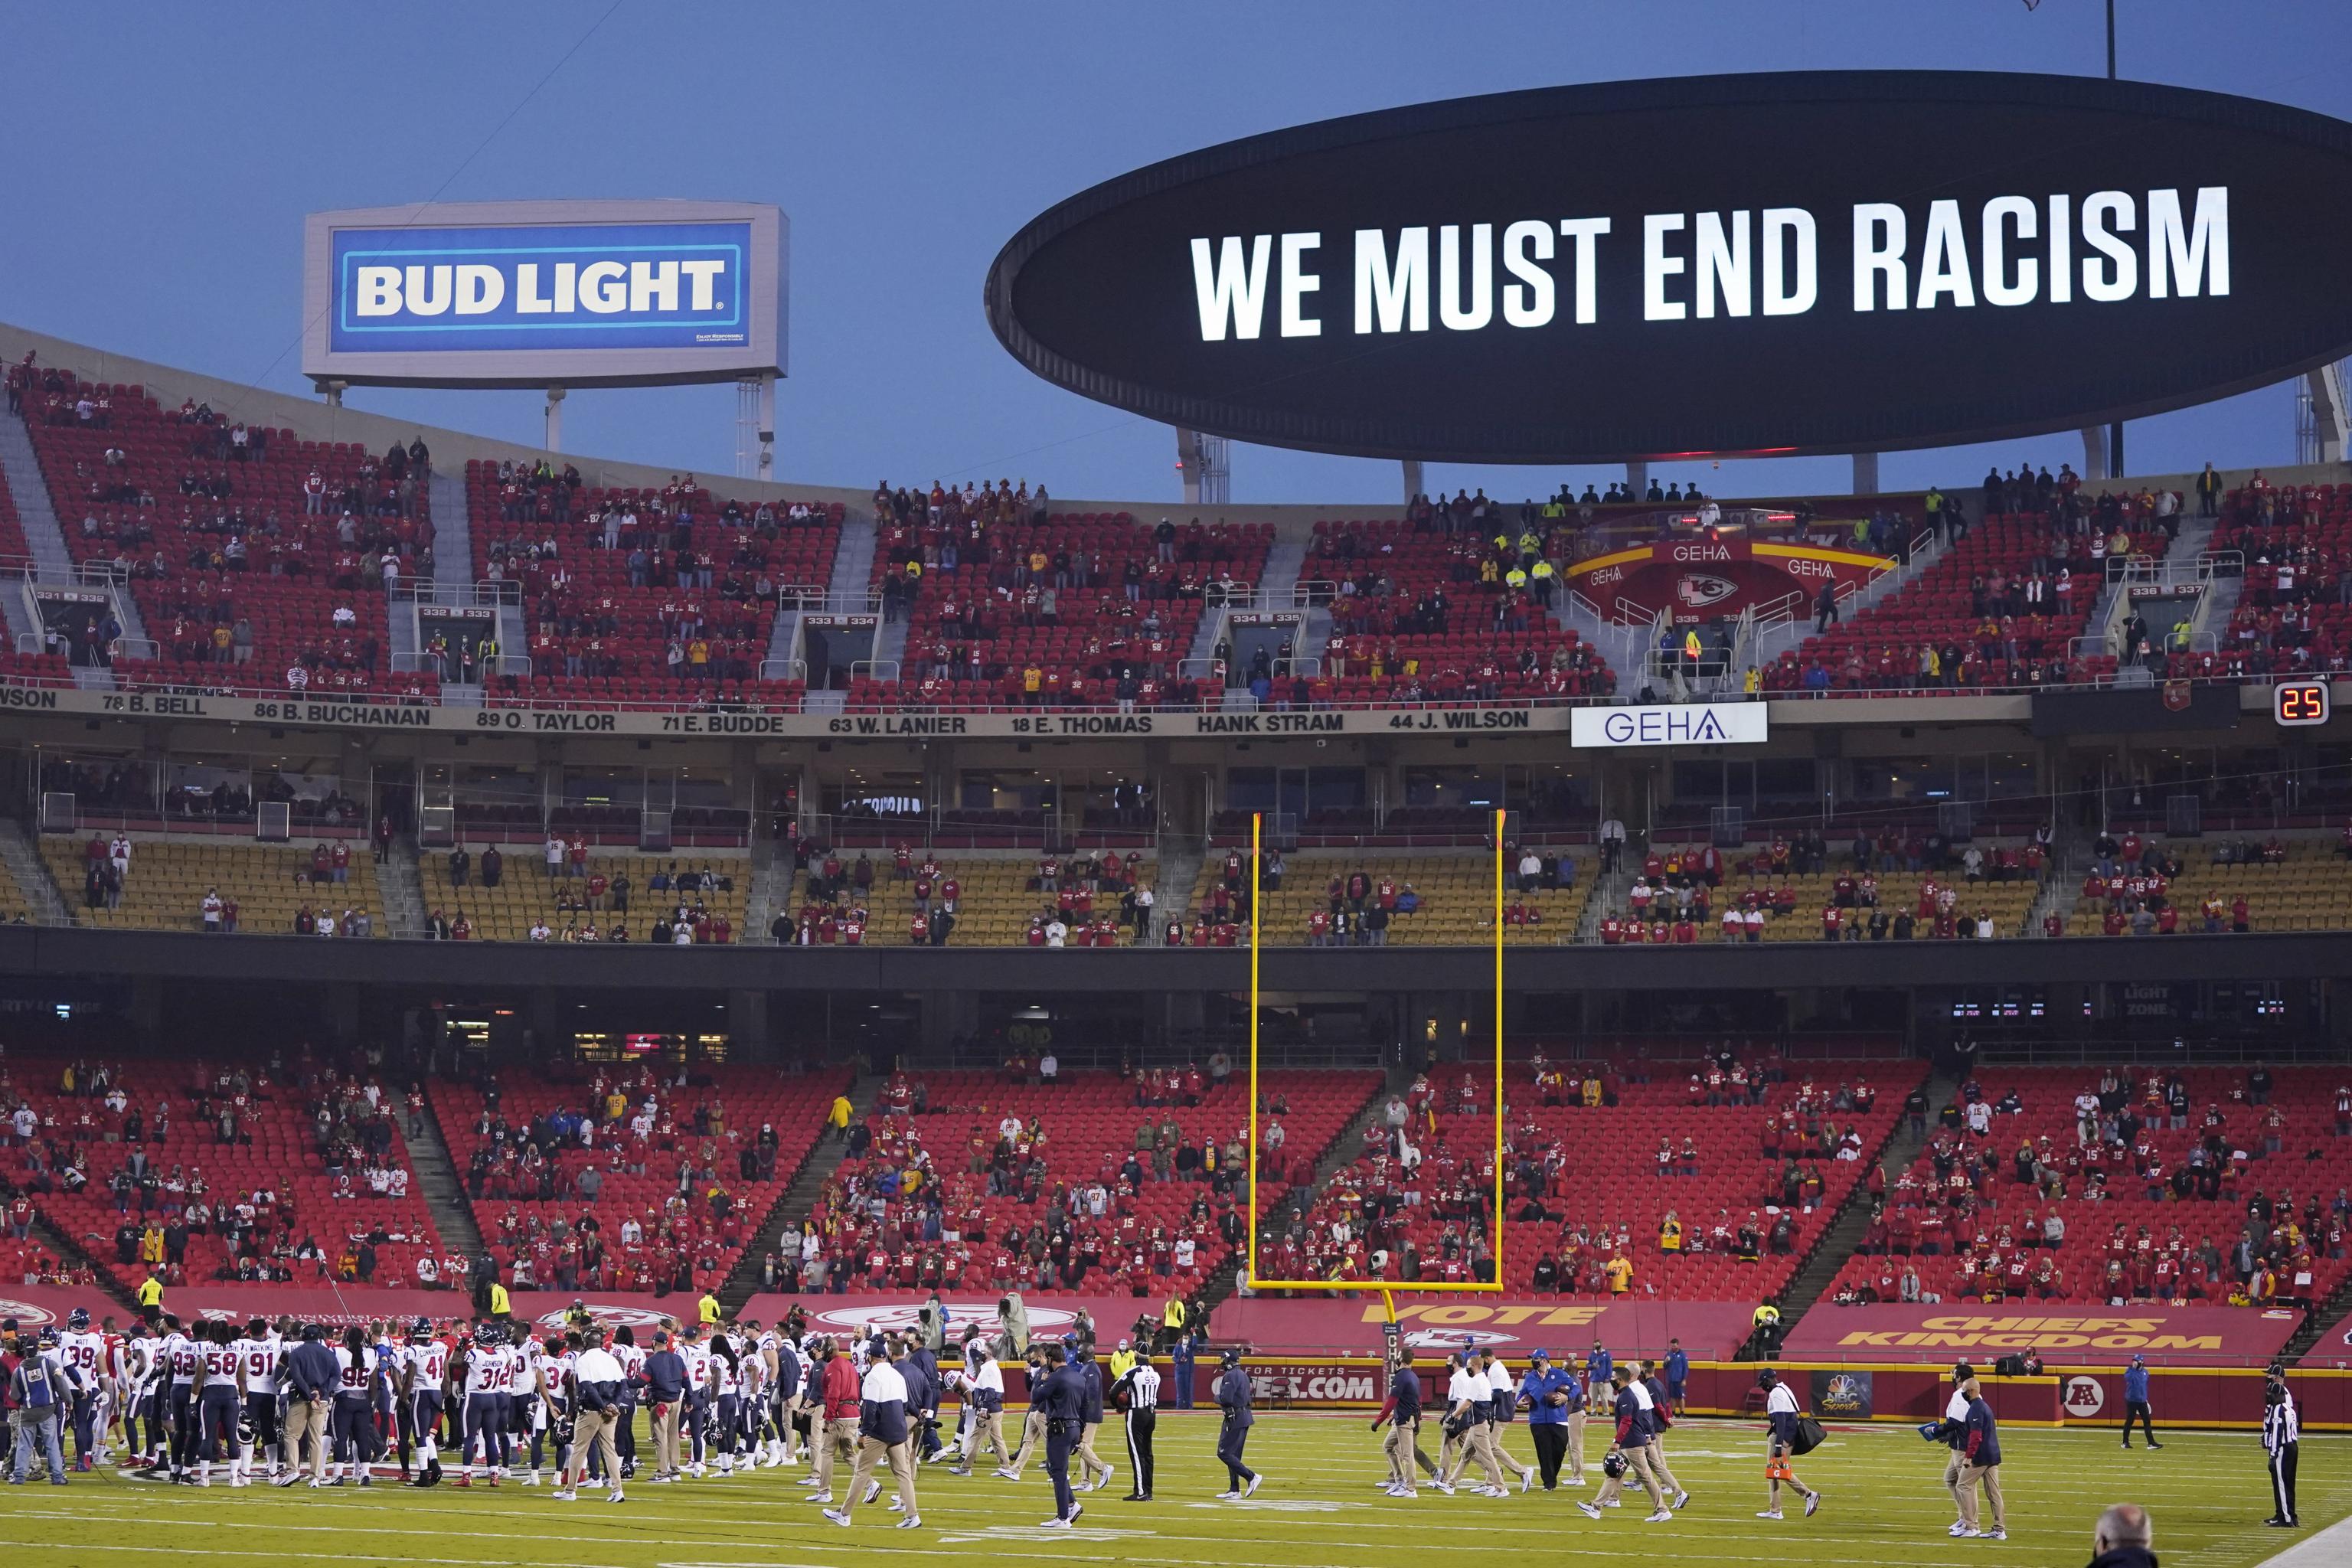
x=423, y=1368
x=482, y=1367
x=179, y=1355
x=143, y=1425
x=725, y=1422
x=353, y=1428
x=546, y=1366
x=699, y=1389
x=83, y=1352
x=257, y=1353
x=219, y=1386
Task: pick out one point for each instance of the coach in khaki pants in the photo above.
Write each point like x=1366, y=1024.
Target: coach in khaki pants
x=665, y=1374
x=883, y=1435
x=313, y=1373
x=597, y=1379
x=834, y=1420
x=1982, y=1452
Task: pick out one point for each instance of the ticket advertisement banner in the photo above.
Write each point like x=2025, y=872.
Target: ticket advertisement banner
x=2070, y=1335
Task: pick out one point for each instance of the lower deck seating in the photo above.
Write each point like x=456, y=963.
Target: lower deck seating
x=2198, y=1184
x=1665, y=1184
x=1091, y=1184
x=623, y=1178
x=148, y=1165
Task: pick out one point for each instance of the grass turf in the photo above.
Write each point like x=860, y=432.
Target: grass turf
x=1885, y=1508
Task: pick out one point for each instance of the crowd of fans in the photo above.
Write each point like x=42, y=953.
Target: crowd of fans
x=1677, y=892
x=899, y=1214
x=266, y=1232
x=630, y=1123
x=1991, y=1216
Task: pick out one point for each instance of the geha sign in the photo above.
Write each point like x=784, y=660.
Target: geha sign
x=1725, y=264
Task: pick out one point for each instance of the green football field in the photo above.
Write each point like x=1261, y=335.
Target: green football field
x=1884, y=1506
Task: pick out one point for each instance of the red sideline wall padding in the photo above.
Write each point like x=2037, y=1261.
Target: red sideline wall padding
x=1351, y=1325
x=2082, y=1333
x=1050, y=1317
x=34, y=1306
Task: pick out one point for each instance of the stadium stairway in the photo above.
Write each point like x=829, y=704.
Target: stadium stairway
x=20, y=471
x=1179, y=874
x=438, y=1185
x=403, y=886
x=32, y=874
x=1838, y=1243
x=798, y=1199
x=1772, y=642
x=1279, y=579
x=853, y=563
x=453, y=535
x=759, y=907
x=2317, y=1321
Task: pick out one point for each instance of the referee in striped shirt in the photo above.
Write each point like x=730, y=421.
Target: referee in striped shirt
x=1137, y=1392
x=2281, y=1438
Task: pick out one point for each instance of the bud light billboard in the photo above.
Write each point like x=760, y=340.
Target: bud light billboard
x=545, y=293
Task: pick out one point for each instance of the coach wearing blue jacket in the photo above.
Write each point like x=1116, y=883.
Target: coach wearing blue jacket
x=1548, y=1391
x=2136, y=1407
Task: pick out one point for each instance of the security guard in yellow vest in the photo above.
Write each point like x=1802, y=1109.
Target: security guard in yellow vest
x=1171, y=1323
x=1515, y=579
x=1122, y=1361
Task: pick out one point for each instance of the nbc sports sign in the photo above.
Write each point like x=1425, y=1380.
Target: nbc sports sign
x=1671, y=724
x=545, y=293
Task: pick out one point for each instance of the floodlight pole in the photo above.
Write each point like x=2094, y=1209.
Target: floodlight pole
x=555, y=419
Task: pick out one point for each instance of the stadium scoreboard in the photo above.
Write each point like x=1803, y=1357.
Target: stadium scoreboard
x=1593, y=272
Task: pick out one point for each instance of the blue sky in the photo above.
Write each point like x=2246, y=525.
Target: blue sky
x=162, y=157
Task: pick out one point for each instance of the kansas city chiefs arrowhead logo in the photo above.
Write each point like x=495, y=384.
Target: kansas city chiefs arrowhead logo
x=1698, y=588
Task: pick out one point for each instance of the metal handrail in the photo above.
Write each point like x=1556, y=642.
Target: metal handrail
x=874, y=670
x=813, y=600
x=136, y=649
x=783, y=670
x=1308, y=665
x=486, y=593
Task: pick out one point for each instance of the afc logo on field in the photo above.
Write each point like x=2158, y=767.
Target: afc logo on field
x=2083, y=1396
